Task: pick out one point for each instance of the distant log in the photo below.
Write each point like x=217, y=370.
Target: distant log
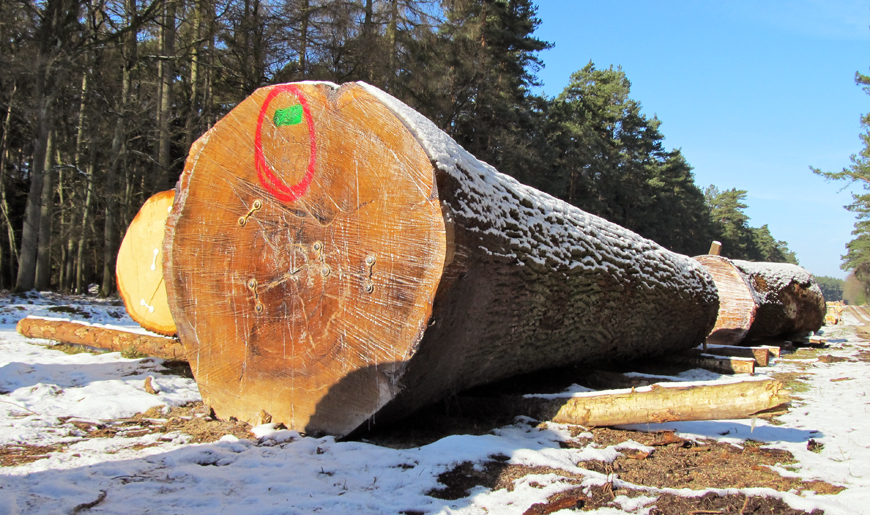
x=760, y=354
x=758, y=301
x=714, y=363
x=139, y=268
x=669, y=402
x=789, y=300
x=333, y=257
x=64, y=331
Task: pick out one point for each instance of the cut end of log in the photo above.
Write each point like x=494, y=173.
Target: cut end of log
x=304, y=250
x=139, y=268
x=737, y=304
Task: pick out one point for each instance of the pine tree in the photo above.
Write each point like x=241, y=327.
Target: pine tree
x=857, y=257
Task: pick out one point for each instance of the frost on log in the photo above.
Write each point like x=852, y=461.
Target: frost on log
x=335, y=260
x=763, y=300
x=139, y=268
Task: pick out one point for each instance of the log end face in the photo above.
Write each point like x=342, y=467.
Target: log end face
x=303, y=256
x=139, y=268
x=737, y=304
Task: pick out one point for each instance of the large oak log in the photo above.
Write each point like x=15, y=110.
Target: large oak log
x=139, y=268
x=668, y=402
x=65, y=331
x=332, y=256
x=758, y=301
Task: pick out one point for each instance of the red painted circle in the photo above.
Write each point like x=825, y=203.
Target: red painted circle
x=265, y=174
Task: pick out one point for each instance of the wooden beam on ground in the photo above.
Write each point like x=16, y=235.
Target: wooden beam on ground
x=670, y=402
x=64, y=331
x=761, y=355
x=722, y=365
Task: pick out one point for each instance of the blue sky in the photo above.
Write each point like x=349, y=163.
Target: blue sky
x=754, y=93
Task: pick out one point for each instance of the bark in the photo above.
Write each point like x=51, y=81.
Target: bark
x=760, y=301
x=669, y=402
x=378, y=267
x=140, y=266
x=100, y=337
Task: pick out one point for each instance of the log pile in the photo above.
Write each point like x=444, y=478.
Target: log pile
x=761, y=301
x=335, y=260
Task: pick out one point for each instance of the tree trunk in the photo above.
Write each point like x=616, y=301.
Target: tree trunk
x=46, y=206
x=27, y=263
x=763, y=300
x=670, y=402
x=140, y=266
x=320, y=268
x=4, y=204
x=167, y=76
x=305, y=13
x=100, y=337
x=118, y=158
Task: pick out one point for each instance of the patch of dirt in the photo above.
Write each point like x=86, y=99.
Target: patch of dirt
x=604, y=496
x=192, y=419
x=495, y=474
x=678, y=463
x=14, y=455
x=827, y=358
x=70, y=310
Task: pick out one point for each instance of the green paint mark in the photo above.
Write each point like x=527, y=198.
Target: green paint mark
x=288, y=116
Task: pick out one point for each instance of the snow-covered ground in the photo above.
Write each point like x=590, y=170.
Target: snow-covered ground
x=47, y=397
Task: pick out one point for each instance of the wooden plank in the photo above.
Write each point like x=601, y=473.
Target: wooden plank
x=722, y=365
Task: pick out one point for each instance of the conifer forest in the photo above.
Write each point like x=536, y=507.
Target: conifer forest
x=100, y=101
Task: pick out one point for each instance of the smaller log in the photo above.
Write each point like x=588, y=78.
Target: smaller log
x=139, y=267
x=761, y=355
x=722, y=365
x=670, y=402
x=715, y=248
x=64, y=331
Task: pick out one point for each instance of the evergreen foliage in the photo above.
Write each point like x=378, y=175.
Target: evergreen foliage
x=739, y=240
x=100, y=100
x=857, y=257
x=832, y=288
